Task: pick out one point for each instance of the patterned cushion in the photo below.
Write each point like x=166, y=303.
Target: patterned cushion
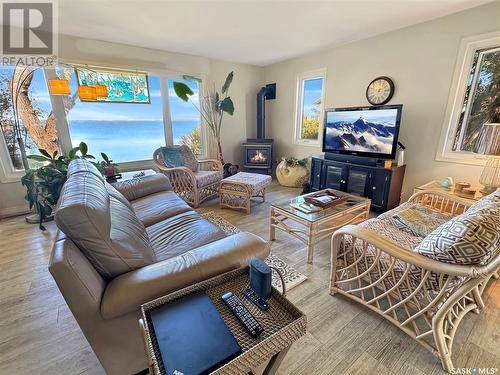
x=255, y=181
x=179, y=156
x=205, y=178
x=470, y=238
x=486, y=201
x=418, y=220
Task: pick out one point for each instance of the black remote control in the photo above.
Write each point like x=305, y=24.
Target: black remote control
x=244, y=316
x=257, y=301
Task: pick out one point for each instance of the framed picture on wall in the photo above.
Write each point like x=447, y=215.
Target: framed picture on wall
x=123, y=86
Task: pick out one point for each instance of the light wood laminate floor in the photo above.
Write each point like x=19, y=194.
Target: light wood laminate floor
x=38, y=334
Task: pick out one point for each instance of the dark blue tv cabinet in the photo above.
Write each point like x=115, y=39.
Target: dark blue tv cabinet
x=381, y=185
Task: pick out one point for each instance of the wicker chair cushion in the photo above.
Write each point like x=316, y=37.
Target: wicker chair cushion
x=417, y=219
x=467, y=239
x=179, y=156
x=255, y=181
x=206, y=178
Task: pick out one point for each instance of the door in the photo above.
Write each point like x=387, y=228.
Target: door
x=379, y=188
x=335, y=175
x=358, y=181
x=316, y=175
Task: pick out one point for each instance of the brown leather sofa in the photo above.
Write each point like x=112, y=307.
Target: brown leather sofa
x=120, y=247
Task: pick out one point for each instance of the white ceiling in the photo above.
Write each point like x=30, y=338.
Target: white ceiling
x=252, y=32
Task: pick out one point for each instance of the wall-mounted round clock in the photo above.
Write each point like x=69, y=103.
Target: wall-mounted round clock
x=380, y=90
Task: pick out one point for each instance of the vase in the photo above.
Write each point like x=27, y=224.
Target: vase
x=291, y=175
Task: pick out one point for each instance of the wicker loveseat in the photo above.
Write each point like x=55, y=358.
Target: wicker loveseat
x=193, y=180
x=381, y=265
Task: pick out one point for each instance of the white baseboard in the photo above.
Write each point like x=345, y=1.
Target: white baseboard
x=14, y=211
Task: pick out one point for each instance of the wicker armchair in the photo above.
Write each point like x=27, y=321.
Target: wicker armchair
x=424, y=297
x=192, y=186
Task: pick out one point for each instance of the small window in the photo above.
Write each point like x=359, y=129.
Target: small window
x=480, y=99
x=310, y=107
x=473, y=98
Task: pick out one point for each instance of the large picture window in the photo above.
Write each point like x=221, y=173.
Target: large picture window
x=125, y=132
x=310, y=97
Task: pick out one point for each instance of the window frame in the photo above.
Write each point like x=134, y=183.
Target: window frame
x=465, y=57
x=299, y=107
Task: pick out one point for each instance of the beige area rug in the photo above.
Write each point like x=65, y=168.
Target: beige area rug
x=291, y=275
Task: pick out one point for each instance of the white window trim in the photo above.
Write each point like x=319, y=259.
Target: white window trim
x=455, y=99
x=299, y=108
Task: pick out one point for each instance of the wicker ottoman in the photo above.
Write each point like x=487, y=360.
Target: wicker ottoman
x=236, y=191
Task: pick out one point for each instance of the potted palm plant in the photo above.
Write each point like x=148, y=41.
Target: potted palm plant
x=212, y=107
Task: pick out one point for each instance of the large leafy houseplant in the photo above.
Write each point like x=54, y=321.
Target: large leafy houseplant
x=212, y=107
x=44, y=184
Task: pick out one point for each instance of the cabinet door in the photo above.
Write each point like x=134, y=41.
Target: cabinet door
x=358, y=181
x=379, y=188
x=316, y=175
x=335, y=175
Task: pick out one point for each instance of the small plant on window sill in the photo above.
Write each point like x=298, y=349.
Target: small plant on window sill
x=107, y=167
x=212, y=106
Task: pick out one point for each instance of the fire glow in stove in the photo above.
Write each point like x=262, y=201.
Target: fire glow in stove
x=259, y=151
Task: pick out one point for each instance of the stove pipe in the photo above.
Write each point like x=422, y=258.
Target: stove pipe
x=266, y=93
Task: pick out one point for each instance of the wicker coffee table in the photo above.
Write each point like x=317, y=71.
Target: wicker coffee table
x=283, y=324
x=236, y=191
x=316, y=226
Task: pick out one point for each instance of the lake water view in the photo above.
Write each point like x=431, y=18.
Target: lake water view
x=126, y=140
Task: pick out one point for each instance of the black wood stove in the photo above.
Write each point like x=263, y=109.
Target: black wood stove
x=258, y=155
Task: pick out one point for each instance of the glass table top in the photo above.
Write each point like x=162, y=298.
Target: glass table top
x=286, y=205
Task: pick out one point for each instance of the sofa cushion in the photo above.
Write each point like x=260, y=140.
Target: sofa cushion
x=154, y=208
x=181, y=233
x=179, y=156
x=467, y=239
x=205, y=178
x=105, y=229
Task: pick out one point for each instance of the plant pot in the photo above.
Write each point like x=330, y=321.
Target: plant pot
x=291, y=176
x=109, y=171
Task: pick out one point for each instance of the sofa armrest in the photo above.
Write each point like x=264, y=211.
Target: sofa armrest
x=140, y=187
x=126, y=293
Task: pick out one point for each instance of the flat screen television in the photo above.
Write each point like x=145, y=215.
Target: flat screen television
x=362, y=131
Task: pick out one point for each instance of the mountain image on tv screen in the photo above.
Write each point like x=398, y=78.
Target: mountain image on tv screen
x=361, y=131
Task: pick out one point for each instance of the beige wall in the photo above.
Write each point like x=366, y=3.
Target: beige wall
x=245, y=86
x=420, y=60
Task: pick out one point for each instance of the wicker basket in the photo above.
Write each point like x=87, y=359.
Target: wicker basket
x=283, y=323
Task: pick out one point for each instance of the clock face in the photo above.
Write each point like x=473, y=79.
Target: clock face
x=380, y=90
